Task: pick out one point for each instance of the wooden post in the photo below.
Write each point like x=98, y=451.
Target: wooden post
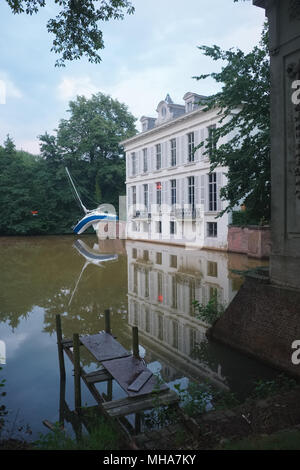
x=60, y=348
x=77, y=385
x=135, y=342
x=107, y=321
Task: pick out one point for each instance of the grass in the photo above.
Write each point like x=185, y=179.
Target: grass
x=102, y=437
x=283, y=440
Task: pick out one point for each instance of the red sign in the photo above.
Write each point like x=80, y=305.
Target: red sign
x=160, y=298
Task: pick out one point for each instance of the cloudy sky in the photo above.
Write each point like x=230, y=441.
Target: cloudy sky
x=146, y=56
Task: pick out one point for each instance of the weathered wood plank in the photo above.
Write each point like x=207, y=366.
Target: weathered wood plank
x=97, y=376
x=125, y=370
x=126, y=406
x=67, y=343
x=141, y=379
x=103, y=346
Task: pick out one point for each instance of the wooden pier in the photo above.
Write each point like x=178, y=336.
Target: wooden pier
x=116, y=364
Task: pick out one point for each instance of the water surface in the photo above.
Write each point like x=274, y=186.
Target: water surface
x=146, y=284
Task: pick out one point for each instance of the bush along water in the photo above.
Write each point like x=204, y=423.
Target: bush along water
x=209, y=312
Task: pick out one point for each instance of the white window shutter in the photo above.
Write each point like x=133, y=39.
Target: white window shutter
x=151, y=194
x=219, y=186
x=168, y=189
x=178, y=151
x=202, y=190
x=197, y=142
x=185, y=182
x=184, y=149
x=197, y=190
x=206, y=134
x=206, y=196
x=202, y=137
x=164, y=154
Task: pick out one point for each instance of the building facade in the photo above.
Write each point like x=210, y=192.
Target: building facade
x=171, y=195
x=164, y=281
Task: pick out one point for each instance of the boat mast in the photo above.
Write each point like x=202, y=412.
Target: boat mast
x=76, y=192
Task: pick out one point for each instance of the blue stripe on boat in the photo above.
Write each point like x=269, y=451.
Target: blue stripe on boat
x=91, y=219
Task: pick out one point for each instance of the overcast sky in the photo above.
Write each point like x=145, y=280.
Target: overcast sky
x=146, y=56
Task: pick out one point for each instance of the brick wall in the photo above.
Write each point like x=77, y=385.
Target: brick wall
x=263, y=320
x=253, y=240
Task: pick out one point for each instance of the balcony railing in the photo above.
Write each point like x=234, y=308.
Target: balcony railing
x=178, y=213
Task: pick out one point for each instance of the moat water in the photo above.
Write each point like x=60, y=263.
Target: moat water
x=149, y=285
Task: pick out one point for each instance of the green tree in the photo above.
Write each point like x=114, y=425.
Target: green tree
x=76, y=27
x=88, y=143
x=244, y=104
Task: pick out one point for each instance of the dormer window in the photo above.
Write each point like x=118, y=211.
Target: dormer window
x=189, y=106
x=163, y=112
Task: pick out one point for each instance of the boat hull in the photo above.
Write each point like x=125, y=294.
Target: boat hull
x=92, y=219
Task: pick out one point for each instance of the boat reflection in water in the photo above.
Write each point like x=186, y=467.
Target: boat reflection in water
x=92, y=256
x=163, y=283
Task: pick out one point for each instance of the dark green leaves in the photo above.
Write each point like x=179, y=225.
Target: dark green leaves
x=244, y=131
x=76, y=26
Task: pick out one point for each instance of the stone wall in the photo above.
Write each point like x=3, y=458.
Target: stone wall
x=263, y=320
x=252, y=240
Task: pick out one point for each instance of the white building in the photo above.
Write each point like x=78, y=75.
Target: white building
x=163, y=283
x=171, y=196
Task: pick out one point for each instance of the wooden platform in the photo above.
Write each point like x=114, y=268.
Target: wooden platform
x=143, y=389
x=103, y=346
x=126, y=406
x=127, y=370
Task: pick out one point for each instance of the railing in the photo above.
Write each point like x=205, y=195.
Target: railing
x=178, y=213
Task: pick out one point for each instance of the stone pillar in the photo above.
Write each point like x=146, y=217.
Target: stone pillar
x=284, y=21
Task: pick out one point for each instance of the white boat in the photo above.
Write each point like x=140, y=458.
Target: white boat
x=92, y=256
x=91, y=217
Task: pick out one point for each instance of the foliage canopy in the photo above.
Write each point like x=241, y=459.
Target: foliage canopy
x=244, y=127
x=76, y=27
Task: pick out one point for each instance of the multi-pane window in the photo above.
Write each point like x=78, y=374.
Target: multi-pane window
x=173, y=261
x=212, y=141
x=133, y=195
x=175, y=335
x=172, y=227
x=146, y=197
x=145, y=160
x=158, y=193
x=173, y=192
x=147, y=320
x=135, y=279
x=146, y=283
x=158, y=156
x=192, y=296
x=159, y=287
x=212, y=192
x=160, y=327
x=158, y=258
x=191, y=146
x=212, y=229
x=191, y=191
x=212, y=269
x=174, y=292
x=133, y=164
x=173, y=152
x=134, y=253
x=146, y=255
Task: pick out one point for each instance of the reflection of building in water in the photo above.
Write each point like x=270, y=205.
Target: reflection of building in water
x=163, y=283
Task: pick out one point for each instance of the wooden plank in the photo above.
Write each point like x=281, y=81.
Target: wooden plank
x=126, y=406
x=141, y=379
x=126, y=369
x=97, y=376
x=103, y=346
x=67, y=343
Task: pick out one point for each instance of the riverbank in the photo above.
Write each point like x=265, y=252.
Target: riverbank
x=219, y=429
